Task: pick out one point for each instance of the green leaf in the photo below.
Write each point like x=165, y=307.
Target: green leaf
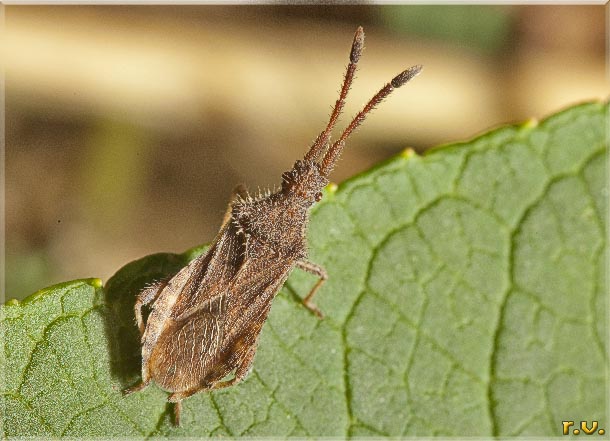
x=467, y=296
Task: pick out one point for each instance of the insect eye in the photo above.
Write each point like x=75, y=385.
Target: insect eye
x=318, y=197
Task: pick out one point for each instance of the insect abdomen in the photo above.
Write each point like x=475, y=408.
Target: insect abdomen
x=185, y=354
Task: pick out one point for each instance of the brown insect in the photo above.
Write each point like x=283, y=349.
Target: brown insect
x=205, y=321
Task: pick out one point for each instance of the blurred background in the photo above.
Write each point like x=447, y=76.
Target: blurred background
x=127, y=127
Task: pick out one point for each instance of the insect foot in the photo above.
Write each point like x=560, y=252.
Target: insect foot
x=204, y=323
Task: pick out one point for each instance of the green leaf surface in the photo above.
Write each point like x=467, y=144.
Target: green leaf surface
x=467, y=296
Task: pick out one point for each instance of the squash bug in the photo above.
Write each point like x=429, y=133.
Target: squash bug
x=205, y=321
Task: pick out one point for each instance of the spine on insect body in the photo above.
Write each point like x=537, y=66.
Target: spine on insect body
x=265, y=222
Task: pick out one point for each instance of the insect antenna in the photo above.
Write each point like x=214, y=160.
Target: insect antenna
x=322, y=140
x=335, y=150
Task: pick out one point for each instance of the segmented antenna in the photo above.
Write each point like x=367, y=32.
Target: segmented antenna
x=335, y=150
x=322, y=140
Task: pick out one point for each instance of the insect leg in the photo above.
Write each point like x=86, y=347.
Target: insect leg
x=177, y=412
x=312, y=268
x=148, y=295
x=137, y=388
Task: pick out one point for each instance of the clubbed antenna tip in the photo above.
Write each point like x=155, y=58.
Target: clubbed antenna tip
x=406, y=76
x=334, y=151
x=354, y=55
x=357, y=46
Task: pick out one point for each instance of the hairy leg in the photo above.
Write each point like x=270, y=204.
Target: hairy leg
x=317, y=270
x=177, y=412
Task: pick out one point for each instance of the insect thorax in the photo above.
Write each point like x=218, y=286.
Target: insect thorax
x=273, y=221
x=304, y=183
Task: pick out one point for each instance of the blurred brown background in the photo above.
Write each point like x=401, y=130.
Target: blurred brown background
x=128, y=126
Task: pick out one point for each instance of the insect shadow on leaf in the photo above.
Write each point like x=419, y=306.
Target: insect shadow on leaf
x=121, y=291
x=205, y=321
